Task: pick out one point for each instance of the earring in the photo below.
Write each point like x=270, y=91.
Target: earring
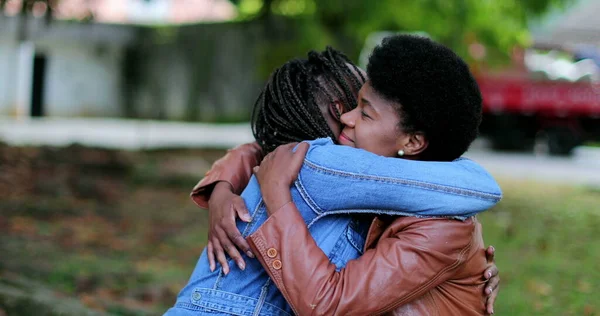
x=400, y=152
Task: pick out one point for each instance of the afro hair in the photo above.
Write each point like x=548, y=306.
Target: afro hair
x=436, y=92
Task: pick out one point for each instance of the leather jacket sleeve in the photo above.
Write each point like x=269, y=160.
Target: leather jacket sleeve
x=234, y=168
x=413, y=256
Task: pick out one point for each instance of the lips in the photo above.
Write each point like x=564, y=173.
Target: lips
x=345, y=139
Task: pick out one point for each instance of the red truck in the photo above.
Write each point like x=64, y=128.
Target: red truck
x=523, y=107
x=520, y=111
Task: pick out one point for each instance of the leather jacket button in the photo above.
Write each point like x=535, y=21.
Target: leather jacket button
x=272, y=253
x=276, y=264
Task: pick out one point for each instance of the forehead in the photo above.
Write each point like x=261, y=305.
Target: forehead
x=376, y=100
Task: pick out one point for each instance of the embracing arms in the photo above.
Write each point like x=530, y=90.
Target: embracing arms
x=405, y=264
x=235, y=169
x=409, y=258
x=225, y=205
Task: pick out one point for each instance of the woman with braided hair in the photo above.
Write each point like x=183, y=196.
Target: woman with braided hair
x=289, y=107
x=338, y=194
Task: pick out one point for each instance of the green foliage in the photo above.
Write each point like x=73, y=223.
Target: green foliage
x=497, y=24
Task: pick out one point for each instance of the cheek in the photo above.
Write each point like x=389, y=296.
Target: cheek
x=337, y=130
x=334, y=126
x=383, y=139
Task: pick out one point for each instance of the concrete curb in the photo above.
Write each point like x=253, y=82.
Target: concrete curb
x=122, y=133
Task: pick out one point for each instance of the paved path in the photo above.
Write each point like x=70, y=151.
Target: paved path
x=122, y=134
x=582, y=168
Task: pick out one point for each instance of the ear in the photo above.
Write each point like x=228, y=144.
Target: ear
x=340, y=108
x=415, y=144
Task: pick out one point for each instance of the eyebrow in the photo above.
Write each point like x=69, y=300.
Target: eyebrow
x=367, y=103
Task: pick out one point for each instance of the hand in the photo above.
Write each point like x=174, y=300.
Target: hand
x=493, y=280
x=278, y=170
x=223, y=235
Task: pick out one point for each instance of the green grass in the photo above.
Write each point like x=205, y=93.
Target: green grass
x=546, y=238
x=128, y=243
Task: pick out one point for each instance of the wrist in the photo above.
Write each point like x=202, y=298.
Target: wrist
x=276, y=199
x=223, y=186
x=220, y=193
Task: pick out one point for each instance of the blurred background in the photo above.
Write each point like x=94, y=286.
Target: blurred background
x=112, y=110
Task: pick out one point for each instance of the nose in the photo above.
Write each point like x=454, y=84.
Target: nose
x=348, y=118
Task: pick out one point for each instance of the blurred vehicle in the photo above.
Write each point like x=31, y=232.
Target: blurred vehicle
x=550, y=98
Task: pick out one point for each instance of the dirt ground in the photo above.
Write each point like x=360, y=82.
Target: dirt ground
x=107, y=231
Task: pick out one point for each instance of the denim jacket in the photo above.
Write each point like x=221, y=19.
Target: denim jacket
x=335, y=184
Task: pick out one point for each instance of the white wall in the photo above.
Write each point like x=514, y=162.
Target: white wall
x=8, y=86
x=83, y=70
x=82, y=80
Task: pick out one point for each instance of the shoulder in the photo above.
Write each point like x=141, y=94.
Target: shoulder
x=248, y=149
x=323, y=152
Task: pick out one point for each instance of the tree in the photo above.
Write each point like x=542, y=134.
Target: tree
x=497, y=24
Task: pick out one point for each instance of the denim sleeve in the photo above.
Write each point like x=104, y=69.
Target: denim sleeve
x=339, y=179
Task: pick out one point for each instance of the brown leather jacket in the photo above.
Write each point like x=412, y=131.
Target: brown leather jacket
x=411, y=266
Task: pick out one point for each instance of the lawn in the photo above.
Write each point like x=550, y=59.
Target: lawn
x=546, y=238
x=88, y=231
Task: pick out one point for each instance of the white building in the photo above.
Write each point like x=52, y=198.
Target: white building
x=64, y=70
x=78, y=69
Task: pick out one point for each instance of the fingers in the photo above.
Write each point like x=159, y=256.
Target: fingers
x=232, y=231
x=230, y=248
x=240, y=243
x=240, y=208
x=493, y=282
x=489, y=253
x=298, y=157
x=491, y=300
x=281, y=149
x=492, y=288
x=491, y=273
x=211, y=256
x=302, y=149
x=221, y=257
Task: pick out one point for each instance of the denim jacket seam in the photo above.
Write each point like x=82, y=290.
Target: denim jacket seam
x=265, y=304
x=350, y=239
x=261, y=298
x=190, y=306
x=308, y=200
x=387, y=212
x=252, y=222
x=406, y=182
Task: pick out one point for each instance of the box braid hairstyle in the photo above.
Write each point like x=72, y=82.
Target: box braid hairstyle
x=434, y=89
x=287, y=109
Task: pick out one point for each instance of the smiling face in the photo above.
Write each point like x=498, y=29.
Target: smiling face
x=375, y=125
